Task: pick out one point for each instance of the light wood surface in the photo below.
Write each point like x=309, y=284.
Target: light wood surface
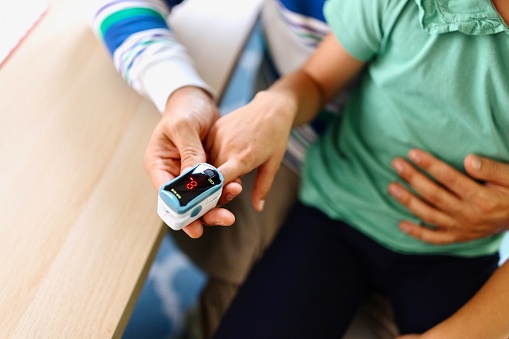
x=78, y=221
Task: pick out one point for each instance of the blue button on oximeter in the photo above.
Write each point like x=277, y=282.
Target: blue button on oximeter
x=190, y=195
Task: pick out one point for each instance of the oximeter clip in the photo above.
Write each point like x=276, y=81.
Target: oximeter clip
x=190, y=195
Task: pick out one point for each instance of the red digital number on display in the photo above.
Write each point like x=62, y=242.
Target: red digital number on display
x=191, y=184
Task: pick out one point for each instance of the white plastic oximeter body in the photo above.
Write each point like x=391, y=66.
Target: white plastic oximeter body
x=190, y=195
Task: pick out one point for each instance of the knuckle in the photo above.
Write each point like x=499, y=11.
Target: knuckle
x=398, y=192
x=487, y=206
x=431, y=219
x=472, y=218
x=432, y=197
x=189, y=153
x=488, y=168
x=402, y=199
x=452, y=180
x=477, y=197
x=405, y=198
x=408, y=173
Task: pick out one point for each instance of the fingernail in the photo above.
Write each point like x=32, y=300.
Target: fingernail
x=476, y=163
x=398, y=166
x=415, y=156
x=230, y=197
x=404, y=227
x=261, y=205
x=396, y=191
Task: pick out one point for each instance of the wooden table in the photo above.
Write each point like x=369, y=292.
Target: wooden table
x=78, y=221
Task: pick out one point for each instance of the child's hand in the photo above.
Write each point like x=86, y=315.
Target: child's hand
x=461, y=208
x=254, y=136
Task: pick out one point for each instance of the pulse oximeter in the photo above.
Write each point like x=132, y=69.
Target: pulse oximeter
x=190, y=195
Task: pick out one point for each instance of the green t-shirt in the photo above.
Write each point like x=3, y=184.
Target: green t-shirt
x=437, y=79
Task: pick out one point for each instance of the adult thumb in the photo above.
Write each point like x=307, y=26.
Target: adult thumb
x=191, y=152
x=487, y=169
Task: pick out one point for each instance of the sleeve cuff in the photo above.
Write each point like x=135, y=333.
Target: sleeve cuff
x=161, y=79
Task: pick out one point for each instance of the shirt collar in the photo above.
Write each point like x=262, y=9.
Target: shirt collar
x=472, y=17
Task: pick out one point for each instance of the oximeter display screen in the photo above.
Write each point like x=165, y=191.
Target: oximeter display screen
x=193, y=183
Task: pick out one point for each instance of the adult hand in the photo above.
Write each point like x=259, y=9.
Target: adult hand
x=253, y=136
x=176, y=145
x=462, y=207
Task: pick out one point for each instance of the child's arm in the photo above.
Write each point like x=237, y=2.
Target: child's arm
x=256, y=135
x=486, y=315
x=325, y=73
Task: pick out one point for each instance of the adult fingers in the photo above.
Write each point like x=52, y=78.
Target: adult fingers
x=427, y=189
x=487, y=170
x=214, y=217
x=159, y=177
x=458, y=183
x=437, y=236
x=218, y=217
x=190, y=147
x=194, y=229
x=428, y=214
x=230, y=191
x=158, y=162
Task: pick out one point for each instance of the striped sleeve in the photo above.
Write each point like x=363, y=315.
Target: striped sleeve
x=144, y=49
